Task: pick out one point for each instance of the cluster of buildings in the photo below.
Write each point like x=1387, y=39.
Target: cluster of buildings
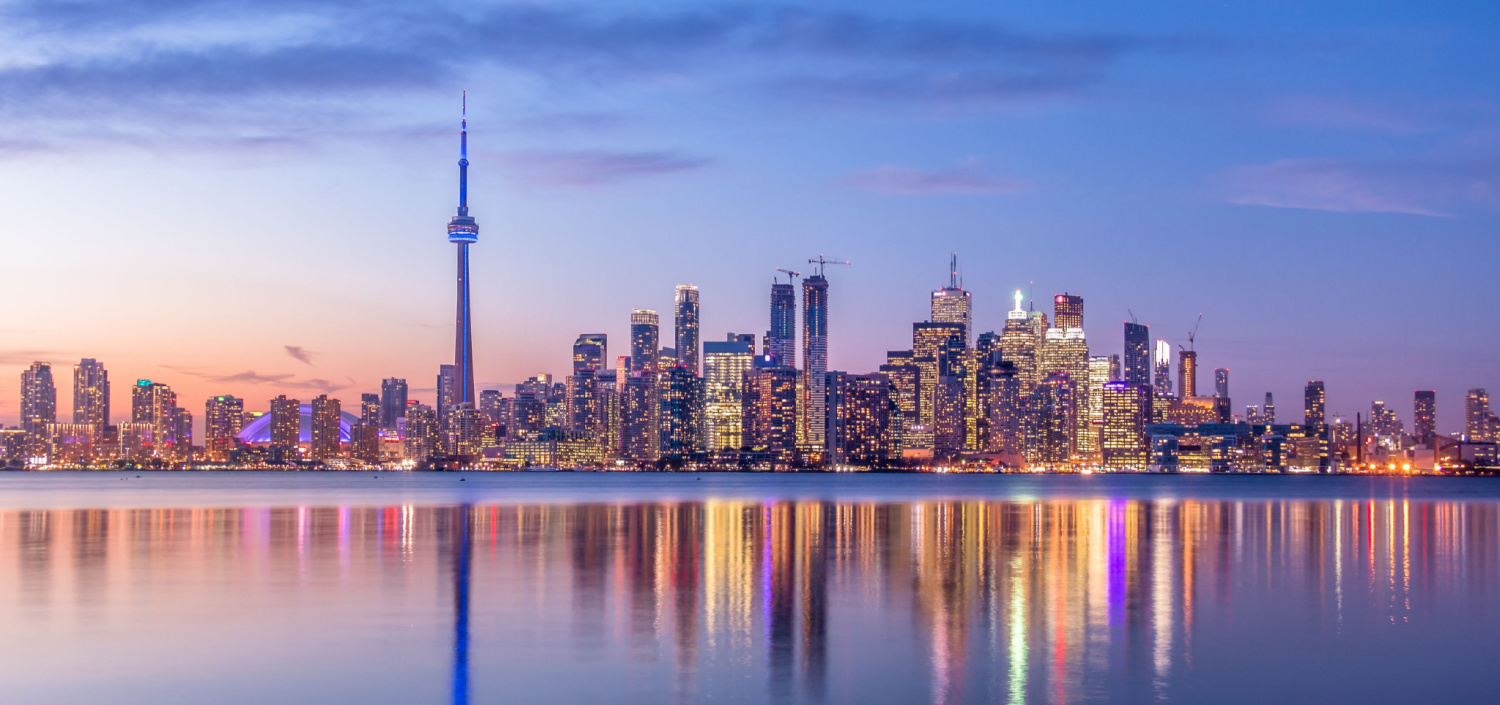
x=1031, y=396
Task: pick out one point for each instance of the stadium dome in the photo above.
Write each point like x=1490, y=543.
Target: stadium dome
x=259, y=430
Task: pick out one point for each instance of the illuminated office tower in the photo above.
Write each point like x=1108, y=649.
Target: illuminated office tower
x=1018, y=345
x=935, y=347
x=90, y=393
x=1187, y=373
x=325, y=428
x=1067, y=311
x=447, y=393
x=584, y=411
x=1006, y=407
x=905, y=379
x=1314, y=404
x=392, y=402
x=493, y=405
x=769, y=410
x=223, y=417
x=686, y=341
x=1123, y=442
x=814, y=403
x=462, y=231
x=590, y=351
x=1477, y=425
x=286, y=424
x=1268, y=412
x=681, y=410
x=1163, y=368
x=1067, y=351
x=1221, y=382
x=1424, y=417
x=781, y=339
x=1137, y=370
x=948, y=417
x=1050, y=422
x=369, y=409
x=640, y=438
x=951, y=304
x=644, y=340
x=1103, y=369
x=863, y=413
x=724, y=366
x=38, y=398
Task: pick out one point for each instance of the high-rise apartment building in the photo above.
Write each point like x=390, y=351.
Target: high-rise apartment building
x=645, y=340
x=1006, y=409
x=1221, y=382
x=1137, y=370
x=1050, y=422
x=1067, y=351
x=781, y=339
x=1067, y=311
x=769, y=410
x=905, y=379
x=223, y=417
x=1187, y=373
x=369, y=409
x=1314, y=404
x=1477, y=426
x=423, y=437
x=38, y=398
x=725, y=364
x=90, y=393
x=1424, y=417
x=814, y=403
x=686, y=329
x=392, y=402
x=447, y=393
x=863, y=412
x=681, y=410
x=1103, y=369
x=935, y=349
x=286, y=424
x=590, y=351
x=1163, y=368
x=1268, y=412
x=951, y=304
x=1124, y=445
x=325, y=428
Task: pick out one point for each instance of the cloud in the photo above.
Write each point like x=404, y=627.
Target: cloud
x=180, y=72
x=26, y=357
x=1420, y=186
x=596, y=168
x=281, y=381
x=1344, y=114
x=296, y=352
x=967, y=177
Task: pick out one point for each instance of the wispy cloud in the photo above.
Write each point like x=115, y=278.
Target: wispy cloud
x=26, y=357
x=300, y=354
x=1419, y=186
x=967, y=177
x=251, y=377
x=596, y=168
x=1343, y=114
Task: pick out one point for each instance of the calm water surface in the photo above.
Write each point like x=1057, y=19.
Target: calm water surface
x=568, y=588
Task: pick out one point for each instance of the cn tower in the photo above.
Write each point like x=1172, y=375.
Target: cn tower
x=463, y=231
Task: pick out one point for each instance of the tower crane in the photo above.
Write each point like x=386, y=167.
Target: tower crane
x=1192, y=334
x=789, y=274
x=821, y=261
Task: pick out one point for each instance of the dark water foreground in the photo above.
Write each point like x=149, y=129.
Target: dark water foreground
x=574, y=588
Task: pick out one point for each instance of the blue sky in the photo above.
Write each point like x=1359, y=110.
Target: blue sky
x=192, y=187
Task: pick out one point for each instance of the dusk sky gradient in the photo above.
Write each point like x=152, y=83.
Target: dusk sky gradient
x=250, y=197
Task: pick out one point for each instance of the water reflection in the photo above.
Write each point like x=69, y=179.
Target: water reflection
x=794, y=601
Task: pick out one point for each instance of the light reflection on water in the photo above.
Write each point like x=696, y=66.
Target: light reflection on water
x=944, y=601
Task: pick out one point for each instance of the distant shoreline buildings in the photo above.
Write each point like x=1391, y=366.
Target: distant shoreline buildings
x=1032, y=397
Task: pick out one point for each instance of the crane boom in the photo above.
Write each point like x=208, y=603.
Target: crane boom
x=789, y=274
x=1193, y=334
x=821, y=261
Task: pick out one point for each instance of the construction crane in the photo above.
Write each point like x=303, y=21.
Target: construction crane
x=1132, y=316
x=821, y=261
x=1192, y=334
x=790, y=275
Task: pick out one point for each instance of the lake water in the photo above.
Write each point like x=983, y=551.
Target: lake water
x=625, y=588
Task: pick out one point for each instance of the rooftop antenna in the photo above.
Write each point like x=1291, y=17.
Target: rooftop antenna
x=953, y=271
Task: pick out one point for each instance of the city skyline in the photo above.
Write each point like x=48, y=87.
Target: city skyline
x=320, y=274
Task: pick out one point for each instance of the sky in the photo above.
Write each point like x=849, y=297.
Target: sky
x=249, y=198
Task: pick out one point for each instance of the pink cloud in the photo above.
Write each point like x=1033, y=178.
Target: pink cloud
x=967, y=177
x=1417, y=186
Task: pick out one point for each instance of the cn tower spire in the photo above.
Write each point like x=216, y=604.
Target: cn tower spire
x=463, y=231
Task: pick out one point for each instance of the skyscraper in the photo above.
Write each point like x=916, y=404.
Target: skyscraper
x=951, y=304
x=1018, y=344
x=325, y=427
x=38, y=406
x=223, y=417
x=90, y=393
x=1067, y=311
x=645, y=340
x=724, y=366
x=463, y=231
x=1477, y=425
x=815, y=357
x=1137, y=355
x=640, y=409
x=1268, y=412
x=392, y=402
x=781, y=339
x=1067, y=351
x=1313, y=404
x=1103, y=369
x=1049, y=422
x=1127, y=410
x=286, y=425
x=1424, y=417
x=1221, y=382
x=448, y=393
x=933, y=346
x=769, y=410
x=1187, y=373
x=590, y=351
x=681, y=410
x=863, y=416
x=1163, y=368
x=686, y=340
